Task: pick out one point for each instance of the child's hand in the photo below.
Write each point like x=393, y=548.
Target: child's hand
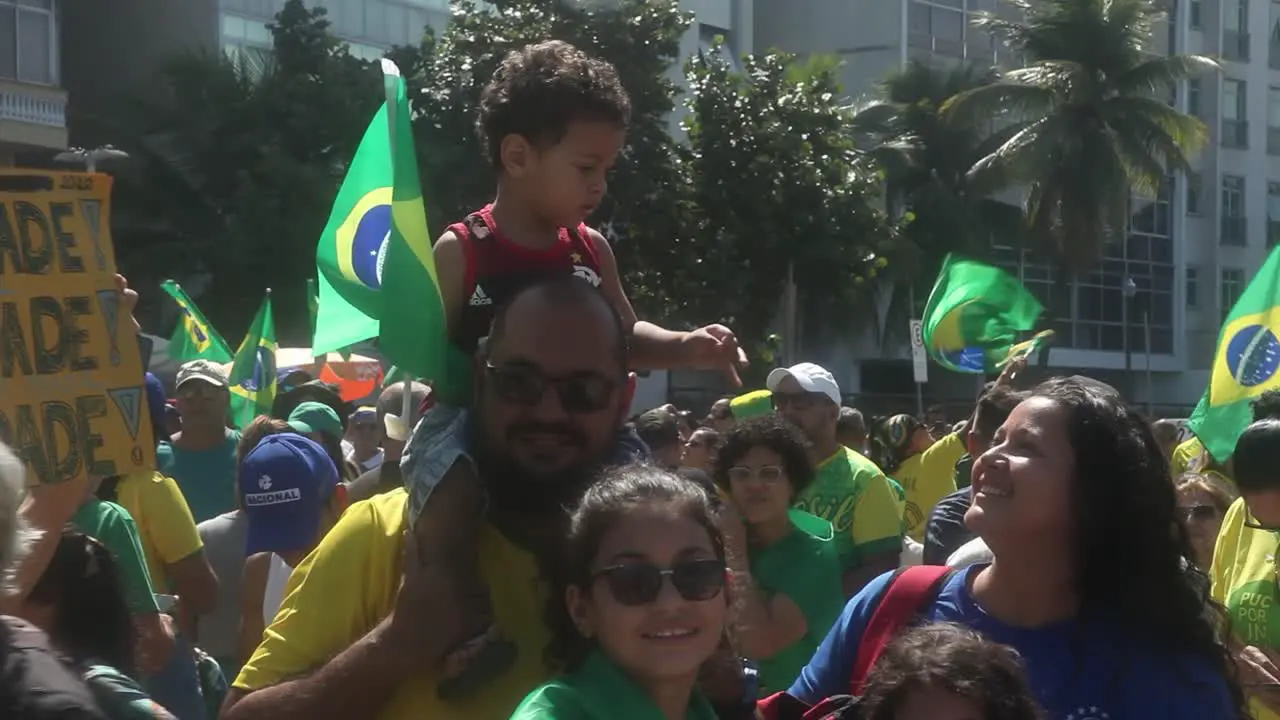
x=714, y=347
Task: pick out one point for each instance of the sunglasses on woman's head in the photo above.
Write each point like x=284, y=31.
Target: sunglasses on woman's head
x=641, y=583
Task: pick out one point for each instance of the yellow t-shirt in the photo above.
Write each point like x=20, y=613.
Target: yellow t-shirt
x=1244, y=581
x=851, y=493
x=928, y=477
x=166, y=527
x=1186, y=455
x=348, y=585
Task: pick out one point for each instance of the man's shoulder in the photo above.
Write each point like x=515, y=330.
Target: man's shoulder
x=379, y=480
x=852, y=464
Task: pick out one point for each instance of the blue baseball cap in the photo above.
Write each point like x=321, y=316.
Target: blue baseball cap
x=285, y=483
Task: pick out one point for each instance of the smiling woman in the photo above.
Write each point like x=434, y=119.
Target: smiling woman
x=637, y=603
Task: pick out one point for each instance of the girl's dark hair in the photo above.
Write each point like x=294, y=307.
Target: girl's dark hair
x=1131, y=544
x=1257, y=456
x=951, y=658
x=621, y=490
x=91, y=621
x=774, y=433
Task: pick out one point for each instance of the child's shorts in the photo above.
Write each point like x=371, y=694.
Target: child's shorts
x=440, y=439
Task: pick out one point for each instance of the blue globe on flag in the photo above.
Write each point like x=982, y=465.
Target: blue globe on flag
x=1253, y=355
x=369, y=245
x=263, y=371
x=970, y=359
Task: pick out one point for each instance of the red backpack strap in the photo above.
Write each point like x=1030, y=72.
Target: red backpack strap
x=909, y=591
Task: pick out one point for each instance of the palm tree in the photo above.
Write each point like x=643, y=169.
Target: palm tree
x=924, y=160
x=1088, y=117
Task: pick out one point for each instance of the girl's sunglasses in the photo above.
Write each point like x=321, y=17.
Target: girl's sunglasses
x=1198, y=512
x=641, y=583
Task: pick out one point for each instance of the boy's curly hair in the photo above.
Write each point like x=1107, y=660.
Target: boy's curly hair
x=539, y=90
x=957, y=660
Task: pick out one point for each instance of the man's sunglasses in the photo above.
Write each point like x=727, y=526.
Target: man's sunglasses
x=585, y=392
x=800, y=400
x=640, y=583
x=1198, y=512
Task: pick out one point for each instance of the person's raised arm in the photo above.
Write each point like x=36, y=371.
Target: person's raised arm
x=765, y=624
x=451, y=270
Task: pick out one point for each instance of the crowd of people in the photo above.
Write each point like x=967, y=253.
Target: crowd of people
x=532, y=550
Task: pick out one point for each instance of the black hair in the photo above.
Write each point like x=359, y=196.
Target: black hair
x=951, y=658
x=721, y=409
x=562, y=290
x=1257, y=456
x=658, y=428
x=621, y=490
x=1266, y=405
x=538, y=91
x=994, y=407
x=774, y=433
x=1131, y=544
x=91, y=620
x=851, y=422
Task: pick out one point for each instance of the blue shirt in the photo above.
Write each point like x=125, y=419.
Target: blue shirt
x=1077, y=670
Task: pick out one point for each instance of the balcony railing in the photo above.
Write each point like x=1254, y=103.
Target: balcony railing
x=33, y=115
x=1235, y=133
x=1233, y=230
x=1235, y=45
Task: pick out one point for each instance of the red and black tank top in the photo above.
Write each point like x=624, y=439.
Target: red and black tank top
x=497, y=268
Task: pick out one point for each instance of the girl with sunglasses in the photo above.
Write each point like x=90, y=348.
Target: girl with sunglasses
x=637, y=603
x=786, y=568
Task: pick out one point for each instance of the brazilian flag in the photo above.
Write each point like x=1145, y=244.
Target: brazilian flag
x=253, y=374
x=974, y=314
x=1245, y=365
x=193, y=338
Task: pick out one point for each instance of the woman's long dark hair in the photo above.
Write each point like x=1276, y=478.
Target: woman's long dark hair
x=1134, y=564
x=621, y=490
x=91, y=620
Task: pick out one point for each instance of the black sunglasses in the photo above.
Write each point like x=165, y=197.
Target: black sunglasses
x=585, y=392
x=1199, y=512
x=641, y=583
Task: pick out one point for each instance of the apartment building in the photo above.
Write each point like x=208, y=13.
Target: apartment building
x=32, y=101
x=1190, y=251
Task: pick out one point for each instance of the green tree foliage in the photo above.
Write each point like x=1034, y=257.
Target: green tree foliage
x=1088, y=115
x=233, y=173
x=775, y=181
x=925, y=161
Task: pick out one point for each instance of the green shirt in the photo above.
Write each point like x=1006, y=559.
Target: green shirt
x=207, y=478
x=863, y=505
x=599, y=689
x=120, y=696
x=110, y=524
x=805, y=567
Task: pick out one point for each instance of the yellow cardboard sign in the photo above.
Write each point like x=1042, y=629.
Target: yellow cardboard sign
x=72, y=400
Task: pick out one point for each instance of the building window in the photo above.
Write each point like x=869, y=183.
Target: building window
x=1232, y=287
x=1193, y=96
x=936, y=29
x=1235, y=111
x=1273, y=42
x=1193, y=287
x=1194, y=192
x=709, y=35
x=29, y=41
x=1273, y=120
x=1235, y=31
x=1194, y=13
x=1273, y=214
x=1233, y=211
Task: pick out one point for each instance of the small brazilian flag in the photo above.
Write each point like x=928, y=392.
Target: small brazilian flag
x=194, y=338
x=1245, y=365
x=253, y=375
x=974, y=315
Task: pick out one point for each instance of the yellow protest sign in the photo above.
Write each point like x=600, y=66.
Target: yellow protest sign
x=72, y=400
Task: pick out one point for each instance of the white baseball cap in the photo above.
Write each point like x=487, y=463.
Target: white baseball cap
x=811, y=378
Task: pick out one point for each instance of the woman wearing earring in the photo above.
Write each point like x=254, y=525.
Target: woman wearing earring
x=638, y=602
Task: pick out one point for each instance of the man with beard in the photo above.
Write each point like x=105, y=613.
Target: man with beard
x=353, y=636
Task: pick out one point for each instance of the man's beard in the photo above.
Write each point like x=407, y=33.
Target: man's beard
x=514, y=489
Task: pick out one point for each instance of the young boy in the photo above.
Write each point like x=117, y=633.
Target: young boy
x=553, y=121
